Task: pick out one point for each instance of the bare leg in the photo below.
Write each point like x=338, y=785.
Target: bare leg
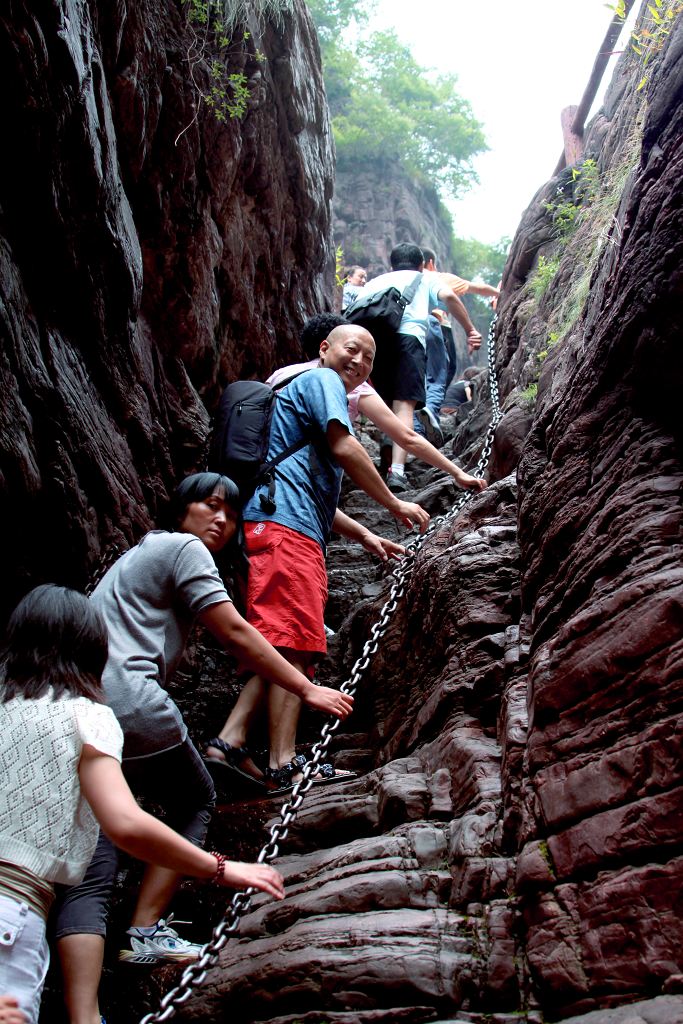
x=283, y=715
x=81, y=958
x=283, y=718
x=156, y=892
x=236, y=729
x=404, y=409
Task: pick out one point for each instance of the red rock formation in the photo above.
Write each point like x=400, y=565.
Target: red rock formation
x=376, y=207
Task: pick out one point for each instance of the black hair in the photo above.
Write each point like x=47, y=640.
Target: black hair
x=232, y=561
x=199, y=486
x=316, y=329
x=54, y=638
x=406, y=256
x=428, y=254
x=471, y=372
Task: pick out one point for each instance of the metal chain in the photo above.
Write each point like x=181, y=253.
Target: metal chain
x=193, y=976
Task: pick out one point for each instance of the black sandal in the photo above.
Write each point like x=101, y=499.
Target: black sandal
x=281, y=777
x=233, y=758
x=327, y=773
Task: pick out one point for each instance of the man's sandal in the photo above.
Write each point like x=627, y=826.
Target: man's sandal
x=279, y=780
x=233, y=757
x=282, y=777
x=327, y=773
x=324, y=773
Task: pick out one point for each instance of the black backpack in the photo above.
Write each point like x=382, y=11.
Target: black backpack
x=241, y=437
x=381, y=313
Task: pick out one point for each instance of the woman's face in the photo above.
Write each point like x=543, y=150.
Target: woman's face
x=212, y=519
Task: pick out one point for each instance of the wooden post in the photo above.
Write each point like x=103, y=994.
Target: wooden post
x=574, y=129
x=601, y=62
x=573, y=141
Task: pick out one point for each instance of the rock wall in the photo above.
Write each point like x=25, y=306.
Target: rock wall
x=148, y=254
x=376, y=207
x=511, y=848
x=599, y=533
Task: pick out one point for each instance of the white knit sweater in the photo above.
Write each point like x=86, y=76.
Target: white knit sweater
x=46, y=825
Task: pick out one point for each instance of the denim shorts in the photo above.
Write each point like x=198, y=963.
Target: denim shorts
x=24, y=955
x=176, y=780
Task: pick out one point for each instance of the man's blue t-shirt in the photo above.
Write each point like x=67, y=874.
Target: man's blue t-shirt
x=308, y=482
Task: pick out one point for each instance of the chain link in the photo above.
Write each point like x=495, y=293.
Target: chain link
x=194, y=975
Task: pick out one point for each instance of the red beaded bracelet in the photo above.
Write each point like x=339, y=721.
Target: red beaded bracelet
x=220, y=865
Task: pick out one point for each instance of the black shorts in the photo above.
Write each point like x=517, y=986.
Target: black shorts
x=399, y=370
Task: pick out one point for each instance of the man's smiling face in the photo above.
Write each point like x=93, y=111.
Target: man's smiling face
x=350, y=351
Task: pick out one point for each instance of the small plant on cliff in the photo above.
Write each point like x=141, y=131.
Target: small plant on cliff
x=600, y=227
x=553, y=339
x=213, y=43
x=528, y=396
x=656, y=23
x=339, y=277
x=567, y=211
x=543, y=276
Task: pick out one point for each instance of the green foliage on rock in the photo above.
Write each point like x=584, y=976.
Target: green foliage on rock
x=574, y=197
x=218, y=39
x=543, y=276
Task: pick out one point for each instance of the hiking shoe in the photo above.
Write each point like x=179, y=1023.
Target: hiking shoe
x=396, y=483
x=165, y=945
x=432, y=427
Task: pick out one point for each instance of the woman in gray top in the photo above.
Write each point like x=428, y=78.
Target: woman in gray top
x=150, y=599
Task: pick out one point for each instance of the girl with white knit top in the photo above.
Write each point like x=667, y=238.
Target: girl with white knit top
x=60, y=751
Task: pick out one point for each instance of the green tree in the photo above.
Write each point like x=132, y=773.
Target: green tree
x=333, y=17
x=474, y=260
x=386, y=107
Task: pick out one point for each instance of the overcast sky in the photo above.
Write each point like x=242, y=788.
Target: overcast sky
x=519, y=63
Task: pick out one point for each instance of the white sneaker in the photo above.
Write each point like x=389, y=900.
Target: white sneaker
x=433, y=431
x=164, y=945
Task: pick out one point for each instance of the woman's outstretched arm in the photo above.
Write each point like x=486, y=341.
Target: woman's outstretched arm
x=381, y=415
x=256, y=654
x=145, y=837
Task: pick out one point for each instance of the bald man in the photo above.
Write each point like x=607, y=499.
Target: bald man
x=287, y=587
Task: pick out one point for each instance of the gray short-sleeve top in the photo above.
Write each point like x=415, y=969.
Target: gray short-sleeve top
x=149, y=599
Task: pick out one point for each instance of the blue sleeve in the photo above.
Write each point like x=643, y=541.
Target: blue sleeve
x=324, y=399
x=434, y=289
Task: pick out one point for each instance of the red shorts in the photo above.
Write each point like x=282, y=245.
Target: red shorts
x=287, y=588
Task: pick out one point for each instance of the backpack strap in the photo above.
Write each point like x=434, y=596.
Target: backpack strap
x=411, y=291
x=288, y=380
x=267, y=475
x=267, y=472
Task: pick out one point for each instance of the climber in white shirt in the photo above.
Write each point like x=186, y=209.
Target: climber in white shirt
x=60, y=751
